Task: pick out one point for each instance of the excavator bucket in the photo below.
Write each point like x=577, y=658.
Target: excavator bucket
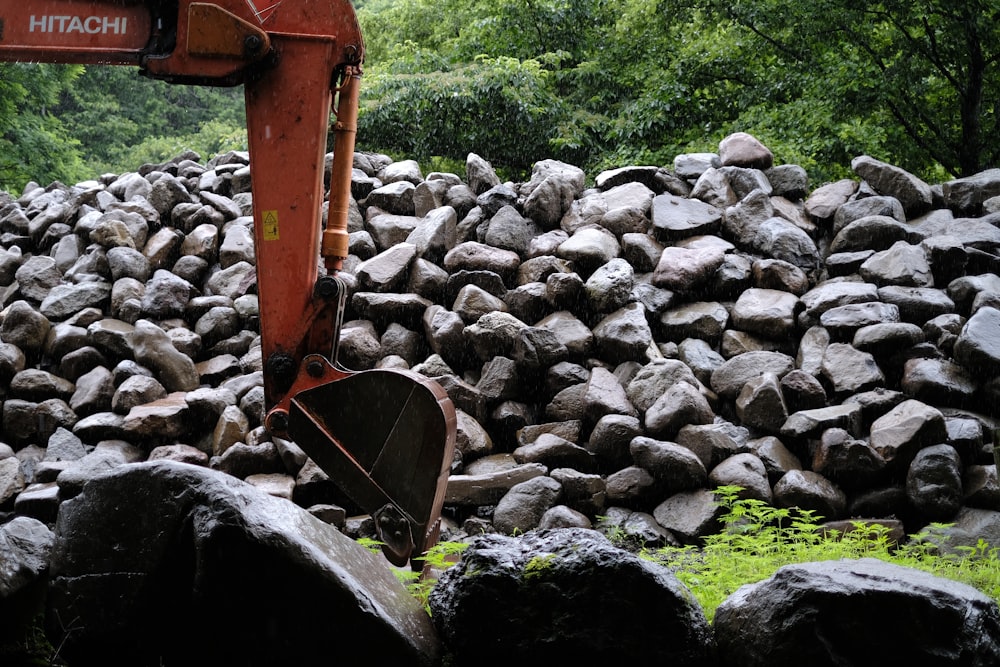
x=386, y=438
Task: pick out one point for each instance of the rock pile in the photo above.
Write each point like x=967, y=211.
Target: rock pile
x=615, y=351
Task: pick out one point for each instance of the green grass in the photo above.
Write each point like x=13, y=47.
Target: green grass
x=757, y=539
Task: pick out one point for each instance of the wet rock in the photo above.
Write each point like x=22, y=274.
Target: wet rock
x=702, y=319
x=84, y=568
x=522, y=507
x=689, y=515
x=934, y=482
x=153, y=348
x=744, y=150
x=746, y=471
x=24, y=327
x=676, y=217
x=914, y=195
x=686, y=270
x=850, y=370
x=761, y=405
x=978, y=345
x=765, y=623
x=682, y=404
x=729, y=378
x=906, y=429
x=675, y=468
x=624, y=335
x=810, y=491
x=847, y=461
x=542, y=564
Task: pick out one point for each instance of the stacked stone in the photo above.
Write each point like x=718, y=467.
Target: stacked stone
x=615, y=352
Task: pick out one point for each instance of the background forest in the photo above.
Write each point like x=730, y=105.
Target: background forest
x=597, y=83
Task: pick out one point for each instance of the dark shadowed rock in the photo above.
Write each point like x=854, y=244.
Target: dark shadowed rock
x=566, y=595
x=934, y=482
x=775, y=622
x=129, y=584
x=25, y=546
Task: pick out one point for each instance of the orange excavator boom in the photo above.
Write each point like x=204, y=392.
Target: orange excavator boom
x=298, y=60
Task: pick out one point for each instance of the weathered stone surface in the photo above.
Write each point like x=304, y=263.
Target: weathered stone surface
x=776, y=621
x=906, y=429
x=98, y=571
x=934, y=482
x=912, y=193
x=522, y=507
x=810, y=490
x=615, y=595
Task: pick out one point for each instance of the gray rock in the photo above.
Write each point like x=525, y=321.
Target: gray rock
x=689, y=515
x=675, y=468
x=701, y=319
x=847, y=461
x=473, y=256
x=680, y=405
x=686, y=270
x=604, y=395
x=874, y=232
x=509, y=230
x=902, y=264
x=939, y=382
x=521, y=509
x=36, y=276
x=553, y=451
x=540, y=624
x=590, y=247
x=153, y=348
x=24, y=327
x=809, y=490
x=395, y=198
x=90, y=578
x=856, y=209
x=934, y=482
x=906, y=429
x=680, y=217
x=912, y=193
x=978, y=345
x=766, y=312
x=746, y=471
x=775, y=621
x=25, y=547
x=480, y=174
x=760, y=404
x=729, y=378
x=624, y=334
x=850, y=370
x=917, y=304
x=969, y=193
x=610, y=286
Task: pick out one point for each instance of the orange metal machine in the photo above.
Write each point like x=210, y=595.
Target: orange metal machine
x=384, y=437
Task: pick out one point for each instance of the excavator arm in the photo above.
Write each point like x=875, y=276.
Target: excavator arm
x=385, y=437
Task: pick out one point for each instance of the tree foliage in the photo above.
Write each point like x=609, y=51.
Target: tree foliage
x=34, y=143
x=592, y=82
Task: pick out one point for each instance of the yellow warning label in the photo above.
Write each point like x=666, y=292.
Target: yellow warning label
x=269, y=220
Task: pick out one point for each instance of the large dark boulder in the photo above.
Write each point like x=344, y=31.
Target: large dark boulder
x=565, y=597
x=166, y=563
x=860, y=613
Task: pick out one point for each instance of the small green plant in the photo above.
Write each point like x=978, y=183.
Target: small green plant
x=438, y=558
x=538, y=565
x=757, y=539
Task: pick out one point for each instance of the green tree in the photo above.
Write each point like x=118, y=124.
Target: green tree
x=924, y=71
x=34, y=143
x=123, y=120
